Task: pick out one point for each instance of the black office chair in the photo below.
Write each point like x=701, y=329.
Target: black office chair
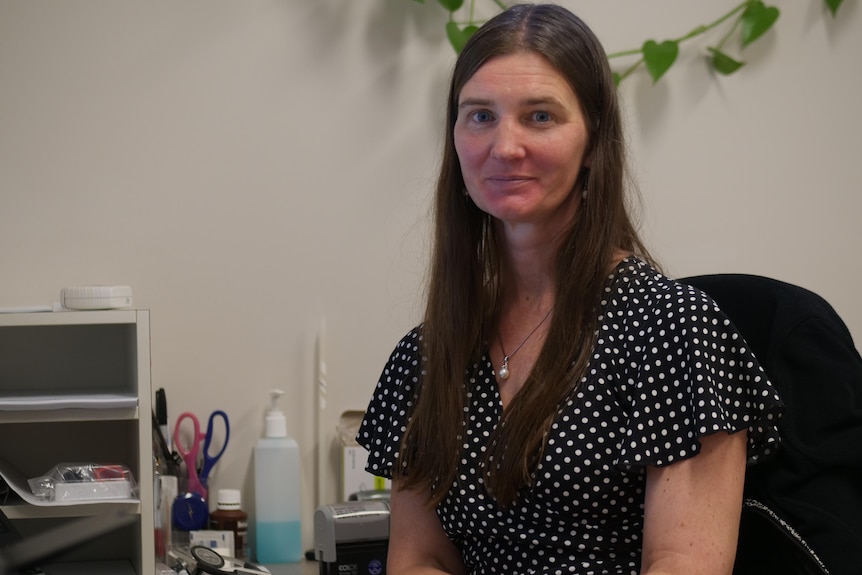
x=803, y=511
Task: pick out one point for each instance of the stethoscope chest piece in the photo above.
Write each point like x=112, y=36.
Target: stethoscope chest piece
x=211, y=561
x=208, y=561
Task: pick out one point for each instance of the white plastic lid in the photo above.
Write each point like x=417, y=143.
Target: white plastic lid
x=276, y=423
x=229, y=499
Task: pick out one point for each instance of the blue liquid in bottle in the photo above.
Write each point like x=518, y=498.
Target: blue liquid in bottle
x=279, y=542
x=278, y=491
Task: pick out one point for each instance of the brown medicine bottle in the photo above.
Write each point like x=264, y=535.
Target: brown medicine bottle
x=229, y=516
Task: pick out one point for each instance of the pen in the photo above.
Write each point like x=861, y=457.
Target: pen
x=170, y=459
x=162, y=415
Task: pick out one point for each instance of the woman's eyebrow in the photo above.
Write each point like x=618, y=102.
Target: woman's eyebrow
x=533, y=101
x=542, y=101
x=467, y=102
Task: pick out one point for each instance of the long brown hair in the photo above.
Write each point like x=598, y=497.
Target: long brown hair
x=463, y=287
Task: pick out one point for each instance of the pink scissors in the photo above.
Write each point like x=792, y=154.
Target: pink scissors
x=197, y=483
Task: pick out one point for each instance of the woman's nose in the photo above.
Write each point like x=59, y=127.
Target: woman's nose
x=508, y=141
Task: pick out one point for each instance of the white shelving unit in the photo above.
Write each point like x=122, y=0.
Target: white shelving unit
x=79, y=355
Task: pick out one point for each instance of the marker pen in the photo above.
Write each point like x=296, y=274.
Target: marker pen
x=162, y=415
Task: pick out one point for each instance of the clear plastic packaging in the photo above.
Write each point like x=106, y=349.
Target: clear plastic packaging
x=68, y=482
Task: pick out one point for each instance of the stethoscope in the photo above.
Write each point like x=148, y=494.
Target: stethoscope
x=211, y=561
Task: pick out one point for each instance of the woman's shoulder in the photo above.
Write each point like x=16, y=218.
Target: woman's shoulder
x=411, y=343
x=387, y=412
x=636, y=278
x=406, y=358
x=638, y=287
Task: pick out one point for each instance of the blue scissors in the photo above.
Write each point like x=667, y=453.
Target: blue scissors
x=198, y=482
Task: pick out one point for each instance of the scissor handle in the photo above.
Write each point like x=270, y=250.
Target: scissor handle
x=211, y=460
x=195, y=445
x=190, y=455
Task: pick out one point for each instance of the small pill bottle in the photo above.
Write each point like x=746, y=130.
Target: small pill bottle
x=229, y=516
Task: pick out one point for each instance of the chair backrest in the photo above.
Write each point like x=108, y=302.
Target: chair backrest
x=814, y=482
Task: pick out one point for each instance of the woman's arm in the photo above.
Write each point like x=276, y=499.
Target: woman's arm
x=417, y=543
x=692, y=510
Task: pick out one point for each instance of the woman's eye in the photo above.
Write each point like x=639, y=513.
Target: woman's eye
x=542, y=117
x=482, y=116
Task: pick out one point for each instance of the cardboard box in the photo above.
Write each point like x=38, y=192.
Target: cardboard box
x=354, y=478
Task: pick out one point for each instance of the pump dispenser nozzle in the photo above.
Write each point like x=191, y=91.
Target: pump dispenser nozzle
x=276, y=423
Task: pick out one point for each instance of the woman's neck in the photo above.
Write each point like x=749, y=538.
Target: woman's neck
x=529, y=270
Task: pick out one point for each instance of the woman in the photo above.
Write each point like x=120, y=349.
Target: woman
x=563, y=408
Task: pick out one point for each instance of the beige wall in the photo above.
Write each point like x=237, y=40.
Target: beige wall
x=250, y=168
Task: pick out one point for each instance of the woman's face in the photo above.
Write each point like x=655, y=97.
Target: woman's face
x=520, y=136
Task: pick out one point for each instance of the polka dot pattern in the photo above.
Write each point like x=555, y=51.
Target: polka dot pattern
x=667, y=368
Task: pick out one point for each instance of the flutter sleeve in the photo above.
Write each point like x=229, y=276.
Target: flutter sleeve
x=691, y=374
x=387, y=413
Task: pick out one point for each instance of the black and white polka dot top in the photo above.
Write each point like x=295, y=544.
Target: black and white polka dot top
x=668, y=368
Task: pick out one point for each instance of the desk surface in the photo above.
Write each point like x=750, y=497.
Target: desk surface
x=302, y=568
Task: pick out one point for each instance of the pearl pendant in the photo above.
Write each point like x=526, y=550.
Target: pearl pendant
x=504, y=371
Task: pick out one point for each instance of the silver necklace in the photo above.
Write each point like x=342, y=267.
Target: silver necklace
x=503, y=372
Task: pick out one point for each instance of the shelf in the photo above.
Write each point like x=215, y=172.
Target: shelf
x=58, y=402
x=95, y=368
x=27, y=511
x=75, y=361
x=69, y=317
x=66, y=415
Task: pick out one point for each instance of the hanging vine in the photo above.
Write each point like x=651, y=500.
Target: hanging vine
x=748, y=21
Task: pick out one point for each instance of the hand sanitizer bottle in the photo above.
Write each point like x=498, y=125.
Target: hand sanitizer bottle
x=278, y=532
